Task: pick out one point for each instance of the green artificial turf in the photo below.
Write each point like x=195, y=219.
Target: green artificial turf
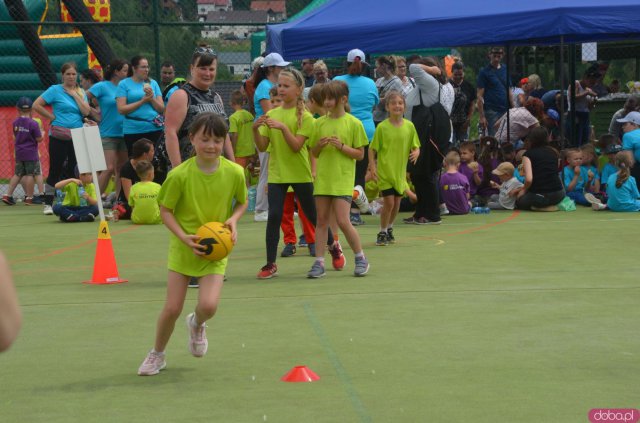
x=506, y=317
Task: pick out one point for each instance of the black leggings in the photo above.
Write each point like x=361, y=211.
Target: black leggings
x=62, y=160
x=276, y=194
x=545, y=199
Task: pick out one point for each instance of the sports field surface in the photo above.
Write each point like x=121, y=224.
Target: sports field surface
x=505, y=317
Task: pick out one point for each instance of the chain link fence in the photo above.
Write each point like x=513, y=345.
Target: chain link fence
x=38, y=36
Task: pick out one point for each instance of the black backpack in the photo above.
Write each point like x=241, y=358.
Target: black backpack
x=459, y=109
x=434, y=131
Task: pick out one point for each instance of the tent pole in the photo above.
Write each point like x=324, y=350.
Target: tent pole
x=572, y=95
x=508, y=88
x=562, y=96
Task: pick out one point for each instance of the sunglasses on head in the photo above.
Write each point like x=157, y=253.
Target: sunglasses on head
x=205, y=50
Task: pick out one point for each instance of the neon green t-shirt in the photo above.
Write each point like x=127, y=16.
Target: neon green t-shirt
x=285, y=165
x=393, y=145
x=241, y=122
x=71, y=197
x=143, y=198
x=197, y=198
x=335, y=171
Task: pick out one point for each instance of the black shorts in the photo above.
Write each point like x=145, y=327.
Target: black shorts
x=390, y=191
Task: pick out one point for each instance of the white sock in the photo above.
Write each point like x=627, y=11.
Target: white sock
x=360, y=254
x=320, y=260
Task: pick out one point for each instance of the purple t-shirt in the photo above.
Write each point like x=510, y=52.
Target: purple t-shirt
x=487, y=191
x=454, y=188
x=464, y=169
x=26, y=130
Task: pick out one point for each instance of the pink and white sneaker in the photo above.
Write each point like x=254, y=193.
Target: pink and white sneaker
x=198, y=343
x=152, y=364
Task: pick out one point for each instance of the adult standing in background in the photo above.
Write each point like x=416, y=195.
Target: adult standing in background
x=167, y=73
x=191, y=99
x=463, y=103
x=249, y=85
x=585, y=99
x=388, y=81
x=320, y=76
x=70, y=109
x=139, y=100
x=493, y=99
x=307, y=72
x=266, y=78
x=111, y=122
x=631, y=139
x=363, y=97
x=430, y=80
x=631, y=105
x=401, y=71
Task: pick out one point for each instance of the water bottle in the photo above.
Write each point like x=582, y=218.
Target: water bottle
x=59, y=197
x=81, y=192
x=476, y=210
x=252, y=198
x=486, y=210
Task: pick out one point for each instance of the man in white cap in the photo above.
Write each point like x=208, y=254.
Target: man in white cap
x=631, y=139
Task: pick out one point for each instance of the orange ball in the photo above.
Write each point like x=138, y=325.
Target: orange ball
x=216, y=238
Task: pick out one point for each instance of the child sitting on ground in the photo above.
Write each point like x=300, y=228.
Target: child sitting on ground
x=80, y=201
x=576, y=177
x=508, y=183
x=143, y=196
x=490, y=157
x=622, y=190
x=27, y=135
x=454, y=185
x=469, y=167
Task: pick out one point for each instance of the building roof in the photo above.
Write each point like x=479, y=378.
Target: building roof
x=215, y=2
x=235, y=57
x=277, y=6
x=258, y=17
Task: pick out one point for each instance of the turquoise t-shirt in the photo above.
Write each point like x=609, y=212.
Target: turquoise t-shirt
x=133, y=91
x=363, y=97
x=568, y=174
x=64, y=107
x=335, y=171
x=262, y=93
x=631, y=142
x=111, y=121
x=607, y=171
x=197, y=198
x=624, y=198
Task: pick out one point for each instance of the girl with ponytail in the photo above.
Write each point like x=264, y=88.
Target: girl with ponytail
x=284, y=132
x=621, y=187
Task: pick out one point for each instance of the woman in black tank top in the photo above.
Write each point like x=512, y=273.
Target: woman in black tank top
x=191, y=99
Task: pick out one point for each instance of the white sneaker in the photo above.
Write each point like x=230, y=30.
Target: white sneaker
x=198, y=343
x=360, y=198
x=262, y=216
x=592, y=199
x=598, y=206
x=444, y=210
x=152, y=364
x=48, y=210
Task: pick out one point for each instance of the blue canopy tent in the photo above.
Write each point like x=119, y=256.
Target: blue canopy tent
x=382, y=26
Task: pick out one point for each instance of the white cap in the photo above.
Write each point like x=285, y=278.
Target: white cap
x=274, y=59
x=351, y=56
x=633, y=117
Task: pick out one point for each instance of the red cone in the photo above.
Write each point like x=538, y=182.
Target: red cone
x=300, y=374
x=105, y=270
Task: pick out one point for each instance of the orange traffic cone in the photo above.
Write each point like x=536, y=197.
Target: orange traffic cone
x=105, y=270
x=300, y=374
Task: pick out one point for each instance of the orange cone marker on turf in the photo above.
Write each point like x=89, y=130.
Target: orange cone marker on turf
x=300, y=374
x=105, y=270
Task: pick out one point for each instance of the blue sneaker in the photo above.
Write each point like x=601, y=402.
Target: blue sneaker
x=288, y=250
x=302, y=241
x=317, y=270
x=362, y=266
x=312, y=249
x=356, y=220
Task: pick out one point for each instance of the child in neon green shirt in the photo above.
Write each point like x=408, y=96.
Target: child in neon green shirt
x=201, y=189
x=80, y=203
x=240, y=131
x=143, y=196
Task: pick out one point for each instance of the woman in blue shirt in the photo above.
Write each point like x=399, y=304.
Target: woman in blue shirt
x=104, y=94
x=363, y=97
x=139, y=99
x=69, y=110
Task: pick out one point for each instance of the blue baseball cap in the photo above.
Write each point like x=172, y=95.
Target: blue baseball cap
x=24, y=103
